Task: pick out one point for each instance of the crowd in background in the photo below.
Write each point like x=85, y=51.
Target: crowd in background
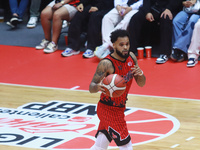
x=175, y=24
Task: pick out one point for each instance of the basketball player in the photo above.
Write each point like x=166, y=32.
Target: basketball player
x=110, y=111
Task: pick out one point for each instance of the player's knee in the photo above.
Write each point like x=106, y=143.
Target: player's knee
x=94, y=147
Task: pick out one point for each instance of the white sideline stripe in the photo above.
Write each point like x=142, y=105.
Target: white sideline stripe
x=76, y=87
x=174, y=146
x=43, y=87
x=166, y=97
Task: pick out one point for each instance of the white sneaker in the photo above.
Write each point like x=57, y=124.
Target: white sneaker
x=162, y=59
x=13, y=21
x=51, y=47
x=88, y=53
x=99, y=51
x=43, y=44
x=106, y=53
x=32, y=22
x=192, y=62
x=64, y=23
x=10, y=24
x=69, y=52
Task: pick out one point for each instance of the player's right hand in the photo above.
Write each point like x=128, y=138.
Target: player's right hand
x=101, y=88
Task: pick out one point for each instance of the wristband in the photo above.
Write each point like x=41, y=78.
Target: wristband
x=141, y=73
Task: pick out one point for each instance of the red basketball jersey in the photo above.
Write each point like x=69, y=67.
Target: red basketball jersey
x=122, y=68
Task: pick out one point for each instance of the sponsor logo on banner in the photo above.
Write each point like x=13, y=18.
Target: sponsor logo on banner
x=70, y=125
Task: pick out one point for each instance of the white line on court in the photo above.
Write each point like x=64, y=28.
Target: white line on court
x=75, y=87
x=87, y=91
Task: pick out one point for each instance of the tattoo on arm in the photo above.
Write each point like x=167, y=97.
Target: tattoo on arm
x=103, y=69
x=134, y=58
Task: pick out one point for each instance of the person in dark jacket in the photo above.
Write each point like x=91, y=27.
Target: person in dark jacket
x=88, y=19
x=156, y=14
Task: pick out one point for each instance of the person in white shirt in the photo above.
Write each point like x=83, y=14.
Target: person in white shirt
x=117, y=18
x=194, y=48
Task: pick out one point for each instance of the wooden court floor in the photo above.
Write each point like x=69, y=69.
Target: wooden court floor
x=186, y=111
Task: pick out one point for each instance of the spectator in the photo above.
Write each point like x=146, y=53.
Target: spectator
x=194, y=48
x=17, y=10
x=34, y=13
x=155, y=14
x=94, y=31
x=183, y=25
x=117, y=18
x=87, y=19
x=55, y=12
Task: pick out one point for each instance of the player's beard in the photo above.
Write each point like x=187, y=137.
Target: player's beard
x=121, y=55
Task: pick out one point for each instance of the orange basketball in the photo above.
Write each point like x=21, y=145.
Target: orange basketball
x=114, y=85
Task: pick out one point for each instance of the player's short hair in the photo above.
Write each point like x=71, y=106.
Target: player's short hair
x=118, y=33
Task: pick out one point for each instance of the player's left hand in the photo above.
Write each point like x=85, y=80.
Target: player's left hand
x=136, y=71
x=101, y=88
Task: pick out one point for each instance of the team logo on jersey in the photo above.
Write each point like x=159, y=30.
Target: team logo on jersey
x=130, y=63
x=60, y=125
